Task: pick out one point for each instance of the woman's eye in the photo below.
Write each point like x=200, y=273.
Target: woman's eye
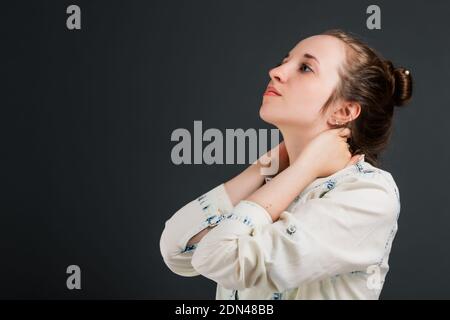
x=301, y=67
x=305, y=65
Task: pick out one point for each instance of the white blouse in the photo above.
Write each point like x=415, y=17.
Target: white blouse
x=332, y=242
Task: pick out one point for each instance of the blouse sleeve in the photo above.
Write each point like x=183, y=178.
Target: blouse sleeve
x=344, y=230
x=205, y=211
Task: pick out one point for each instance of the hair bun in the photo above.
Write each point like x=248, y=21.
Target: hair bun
x=402, y=84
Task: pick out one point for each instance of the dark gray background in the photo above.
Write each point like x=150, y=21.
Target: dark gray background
x=86, y=119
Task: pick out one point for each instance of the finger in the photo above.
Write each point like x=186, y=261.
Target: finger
x=344, y=138
x=344, y=132
x=354, y=159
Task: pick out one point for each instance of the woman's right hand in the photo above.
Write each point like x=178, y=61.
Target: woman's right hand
x=328, y=153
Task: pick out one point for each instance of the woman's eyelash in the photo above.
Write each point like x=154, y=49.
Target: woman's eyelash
x=303, y=64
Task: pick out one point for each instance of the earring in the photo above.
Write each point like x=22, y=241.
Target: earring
x=337, y=123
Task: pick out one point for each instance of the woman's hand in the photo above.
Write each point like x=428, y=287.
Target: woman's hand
x=328, y=153
x=275, y=160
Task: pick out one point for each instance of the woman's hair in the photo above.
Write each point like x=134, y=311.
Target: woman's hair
x=378, y=86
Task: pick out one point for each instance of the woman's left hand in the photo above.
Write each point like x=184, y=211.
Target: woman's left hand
x=275, y=160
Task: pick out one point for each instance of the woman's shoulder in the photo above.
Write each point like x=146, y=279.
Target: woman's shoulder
x=367, y=186
x=370, y=173
x=362, y=177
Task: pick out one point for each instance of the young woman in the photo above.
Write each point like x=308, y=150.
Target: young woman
x=322, y=228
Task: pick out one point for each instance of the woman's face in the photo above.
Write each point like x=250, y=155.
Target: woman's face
x=305, y=80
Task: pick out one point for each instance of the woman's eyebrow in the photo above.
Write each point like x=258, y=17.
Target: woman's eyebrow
x=306, y=55
x=309, y=56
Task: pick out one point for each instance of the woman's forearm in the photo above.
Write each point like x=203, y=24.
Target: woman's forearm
x=238, y=188
x=283, y=188
x=251, y=179
x=245, y=183
x=274, y=196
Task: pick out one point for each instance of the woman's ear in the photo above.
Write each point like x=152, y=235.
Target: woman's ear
x=347, y=112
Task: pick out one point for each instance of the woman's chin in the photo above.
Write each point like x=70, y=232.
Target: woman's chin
x=267, y=115
x=263, y=115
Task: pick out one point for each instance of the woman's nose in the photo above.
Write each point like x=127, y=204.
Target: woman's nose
x=277, y=74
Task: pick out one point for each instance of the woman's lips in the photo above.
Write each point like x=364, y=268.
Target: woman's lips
x=271, y=93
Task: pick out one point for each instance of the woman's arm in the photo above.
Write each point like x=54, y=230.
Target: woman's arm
x=347, y=229
x=237, y=189
x=324, y=155
x=203, y=212
x=276, y=196
x=251, y=179
x=245, y=183
x=190, y=223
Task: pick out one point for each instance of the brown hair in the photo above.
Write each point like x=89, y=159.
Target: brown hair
x=373, y=82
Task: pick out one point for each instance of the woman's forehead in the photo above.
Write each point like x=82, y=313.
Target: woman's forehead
x=329, y=51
